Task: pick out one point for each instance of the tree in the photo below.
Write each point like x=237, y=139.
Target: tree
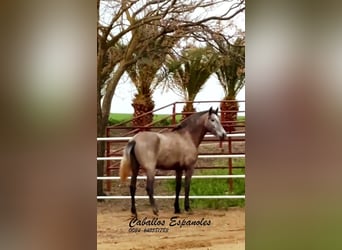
x=190, y=71
x=119, y=46
x=143, y=72
x=231, y=75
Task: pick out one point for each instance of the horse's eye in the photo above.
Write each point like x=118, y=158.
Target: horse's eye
x=212, y=120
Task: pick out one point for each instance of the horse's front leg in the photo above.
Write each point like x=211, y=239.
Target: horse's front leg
x=188, y=175
x=149, y=189
x=178, y=188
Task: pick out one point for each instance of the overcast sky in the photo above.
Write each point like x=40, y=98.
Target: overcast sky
x=211, y=91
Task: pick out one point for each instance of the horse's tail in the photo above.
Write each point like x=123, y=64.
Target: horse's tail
x=126, y=162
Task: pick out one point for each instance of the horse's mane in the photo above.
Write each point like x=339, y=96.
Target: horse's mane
x=189, y=121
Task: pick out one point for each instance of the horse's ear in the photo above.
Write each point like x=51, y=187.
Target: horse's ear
x=210, y=110
x=216, y=111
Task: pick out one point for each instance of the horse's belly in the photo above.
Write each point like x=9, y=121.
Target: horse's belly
x=168, y=167
x=170, y=163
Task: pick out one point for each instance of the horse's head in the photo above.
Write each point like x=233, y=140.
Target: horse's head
x=213, y=124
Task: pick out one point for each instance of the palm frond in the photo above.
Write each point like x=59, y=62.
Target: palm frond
x=231, y=73
x=149, y=56
x=191, y=70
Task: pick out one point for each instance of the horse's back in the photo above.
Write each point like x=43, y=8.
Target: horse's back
x=147, y=138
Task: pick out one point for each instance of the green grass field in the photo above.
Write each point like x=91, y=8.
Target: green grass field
x=120, y=117
x=215, y=187
x=116, y=118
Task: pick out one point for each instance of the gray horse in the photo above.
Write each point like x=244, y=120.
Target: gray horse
x=174, y=150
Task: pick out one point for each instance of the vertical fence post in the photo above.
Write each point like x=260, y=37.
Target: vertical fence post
x=174, y=114
x=230, y=161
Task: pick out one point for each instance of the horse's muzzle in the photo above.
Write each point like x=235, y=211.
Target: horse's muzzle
x=222, y=136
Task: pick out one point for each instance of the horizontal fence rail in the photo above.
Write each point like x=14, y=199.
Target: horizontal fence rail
x=174, y=177
x=127, y=138
x=173, y=197
x=200, y=156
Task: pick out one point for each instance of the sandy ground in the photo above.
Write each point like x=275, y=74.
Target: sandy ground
x=216, y=229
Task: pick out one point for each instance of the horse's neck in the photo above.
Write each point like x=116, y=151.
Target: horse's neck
x=194, y=129
x=197, y=135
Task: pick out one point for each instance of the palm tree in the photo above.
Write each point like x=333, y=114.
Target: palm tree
x=231, y=75
x=142, y=75
x=189, y=73
x=143, y=72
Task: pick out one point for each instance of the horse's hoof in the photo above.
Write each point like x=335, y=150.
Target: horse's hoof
x=189, y=211
x=155, y=211
x=177, y=211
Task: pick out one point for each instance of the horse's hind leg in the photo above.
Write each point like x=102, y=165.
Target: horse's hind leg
x=149, y=189
x=132, y=187
x=178, y=188
x=188, y=175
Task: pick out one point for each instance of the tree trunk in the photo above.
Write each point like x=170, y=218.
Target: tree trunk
x=100, y=168
x=188, y=110
x=101, y=132
x=103, y=112
x=142, y=105
x=229, y=111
